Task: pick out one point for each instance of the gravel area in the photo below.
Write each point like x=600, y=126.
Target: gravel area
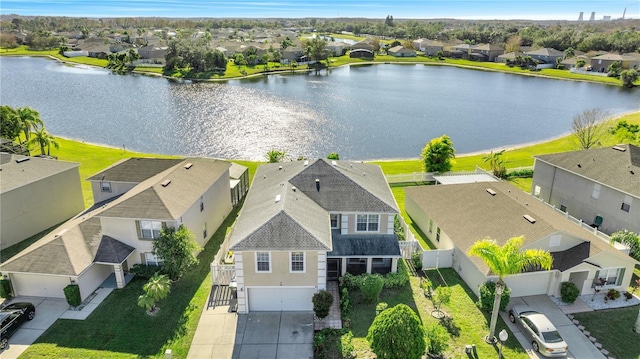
x=597, y=301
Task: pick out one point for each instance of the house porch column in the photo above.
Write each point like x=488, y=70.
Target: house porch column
x=343, y=267
x=117, y=269
x=369, y=260
x=394, y=265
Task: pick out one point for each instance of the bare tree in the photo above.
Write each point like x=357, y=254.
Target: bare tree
x=589, y=128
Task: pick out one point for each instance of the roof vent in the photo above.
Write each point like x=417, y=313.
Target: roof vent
x=306, y=163
x=529, y=218
x=619, y=148
x=279, y=168
x=278, y=198
x=24, y=159
x=293, y=189
x=579, y=165
x=165, y=183
x=318, y=184
x=491, y=192
x=188, y=165
x=334, y=163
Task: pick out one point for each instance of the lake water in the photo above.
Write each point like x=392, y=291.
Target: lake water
x=361, y=112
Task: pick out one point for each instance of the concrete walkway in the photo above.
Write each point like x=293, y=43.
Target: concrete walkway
x=580, y=347
x=334, y=319
x=222, y=334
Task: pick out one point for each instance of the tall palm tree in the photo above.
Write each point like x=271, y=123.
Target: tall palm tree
x=30, y=121
x=157, y=288
x=504, y=261
x=43, y=139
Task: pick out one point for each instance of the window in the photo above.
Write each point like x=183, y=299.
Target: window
x=536, y=190
x=596, y=191
x=367, y=223
x=263, y=262
x=105, y=186
x=438, y=234
x=626, y=203
x=563, y=205
x=152, y=260
x=204, y=230
x=609, y=277
x=297, y=261
x=150, y=229
x=335, y=221
x=201, y=204
x=430, y=225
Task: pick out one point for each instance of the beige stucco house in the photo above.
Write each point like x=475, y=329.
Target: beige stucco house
x=600, y=186
x=308, y=222
x=456, y=216
x=138, y=196
x=36, y=194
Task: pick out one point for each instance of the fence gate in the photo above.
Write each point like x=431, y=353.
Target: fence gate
x=407, y=248
x=222, y=274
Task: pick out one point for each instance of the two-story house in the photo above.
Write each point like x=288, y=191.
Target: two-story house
x=456, y=216
x=136, y=197
x=600, y=186
x=306, y=222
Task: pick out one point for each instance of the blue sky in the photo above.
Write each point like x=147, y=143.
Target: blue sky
x=415, y=9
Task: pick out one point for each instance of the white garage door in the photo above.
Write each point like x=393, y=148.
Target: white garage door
x=276, y=299
x=39, y=285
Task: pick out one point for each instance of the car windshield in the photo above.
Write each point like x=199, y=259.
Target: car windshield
x=552, y=337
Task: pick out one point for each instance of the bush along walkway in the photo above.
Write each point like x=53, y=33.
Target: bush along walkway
x=334, y=319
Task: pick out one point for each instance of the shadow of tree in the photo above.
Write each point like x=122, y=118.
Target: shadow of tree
x=449, y=324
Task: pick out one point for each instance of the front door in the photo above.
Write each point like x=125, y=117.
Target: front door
x=333, y=268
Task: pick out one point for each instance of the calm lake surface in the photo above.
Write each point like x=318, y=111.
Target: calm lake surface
x=361, y=112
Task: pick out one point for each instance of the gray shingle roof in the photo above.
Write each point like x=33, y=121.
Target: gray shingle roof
x=468, y=213
x=606, y=165
x=135, y=169
x=370, y=245
x=28, y=170
x=112, y=251
x=302, y=211
x=151, y=200
x=571, y=257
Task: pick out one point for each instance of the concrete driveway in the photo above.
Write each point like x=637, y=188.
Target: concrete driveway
x=48, y=310
x=579, y=345
x=260, y=335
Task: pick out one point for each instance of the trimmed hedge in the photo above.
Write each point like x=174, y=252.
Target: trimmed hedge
x=72, y=293
x=487, y=296
x=322, y=302
x=569, y=292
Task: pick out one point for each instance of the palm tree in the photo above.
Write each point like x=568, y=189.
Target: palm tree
x=157, y=288
x=496, y=163
x=29, y=120
x=504, y=261
x=43, y=139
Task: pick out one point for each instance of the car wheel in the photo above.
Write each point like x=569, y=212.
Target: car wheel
x=4, y=342
x=535, y=346
x=512, y=318
x=31, y=315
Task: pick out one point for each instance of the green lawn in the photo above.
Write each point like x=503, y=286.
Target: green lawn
x=612, y=328
x=465, y=323
x=119, y=328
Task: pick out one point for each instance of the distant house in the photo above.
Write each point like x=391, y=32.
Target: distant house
x=428, y=47
x=361, y=53
x=401, y=51
x=545, y=55
x=292, y=54
x=600, y=186
x=153, y=52
x=456, y=216
x=36, y=194
x=601, y=63
x=308, y=222
x=337, y=48
x=572, y=62
x=509, y=57
x=139, y=196
x=486, y=52
x=460, y=51
x=362, y=45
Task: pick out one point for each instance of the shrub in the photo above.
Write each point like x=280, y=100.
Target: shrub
x=397, y=333
x=612, y=294
x=487, y=296
x=351, y=281
x=520, y=174
x=399, y=279
x=398, y=228
x=5, y=288
x=145, y=271
x=426, y=286
x=371, y=287
x=345, y=303
x=380, y=307
x=322, y=302
x=333, y=343
x=72, y=293
x=569, y=292
x=346, y=345
x=441, y=296
x=417, y=260
x=437, y=338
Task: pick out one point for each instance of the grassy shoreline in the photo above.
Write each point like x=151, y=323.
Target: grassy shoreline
x=233, y=72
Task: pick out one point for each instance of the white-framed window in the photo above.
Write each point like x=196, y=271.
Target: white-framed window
x=609, y=277
x=596, y=191
x=367, y=223
x=430, y=225
x=263, y=262
x=151, y=259
x=105, y=186
x=297, y=262
x=150, y=229
x=201, y=204
x=335, y=220
x=437, y=234
x=536, y=190
x=626, y=203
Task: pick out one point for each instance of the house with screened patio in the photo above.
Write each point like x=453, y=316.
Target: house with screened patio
x=304, y=223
